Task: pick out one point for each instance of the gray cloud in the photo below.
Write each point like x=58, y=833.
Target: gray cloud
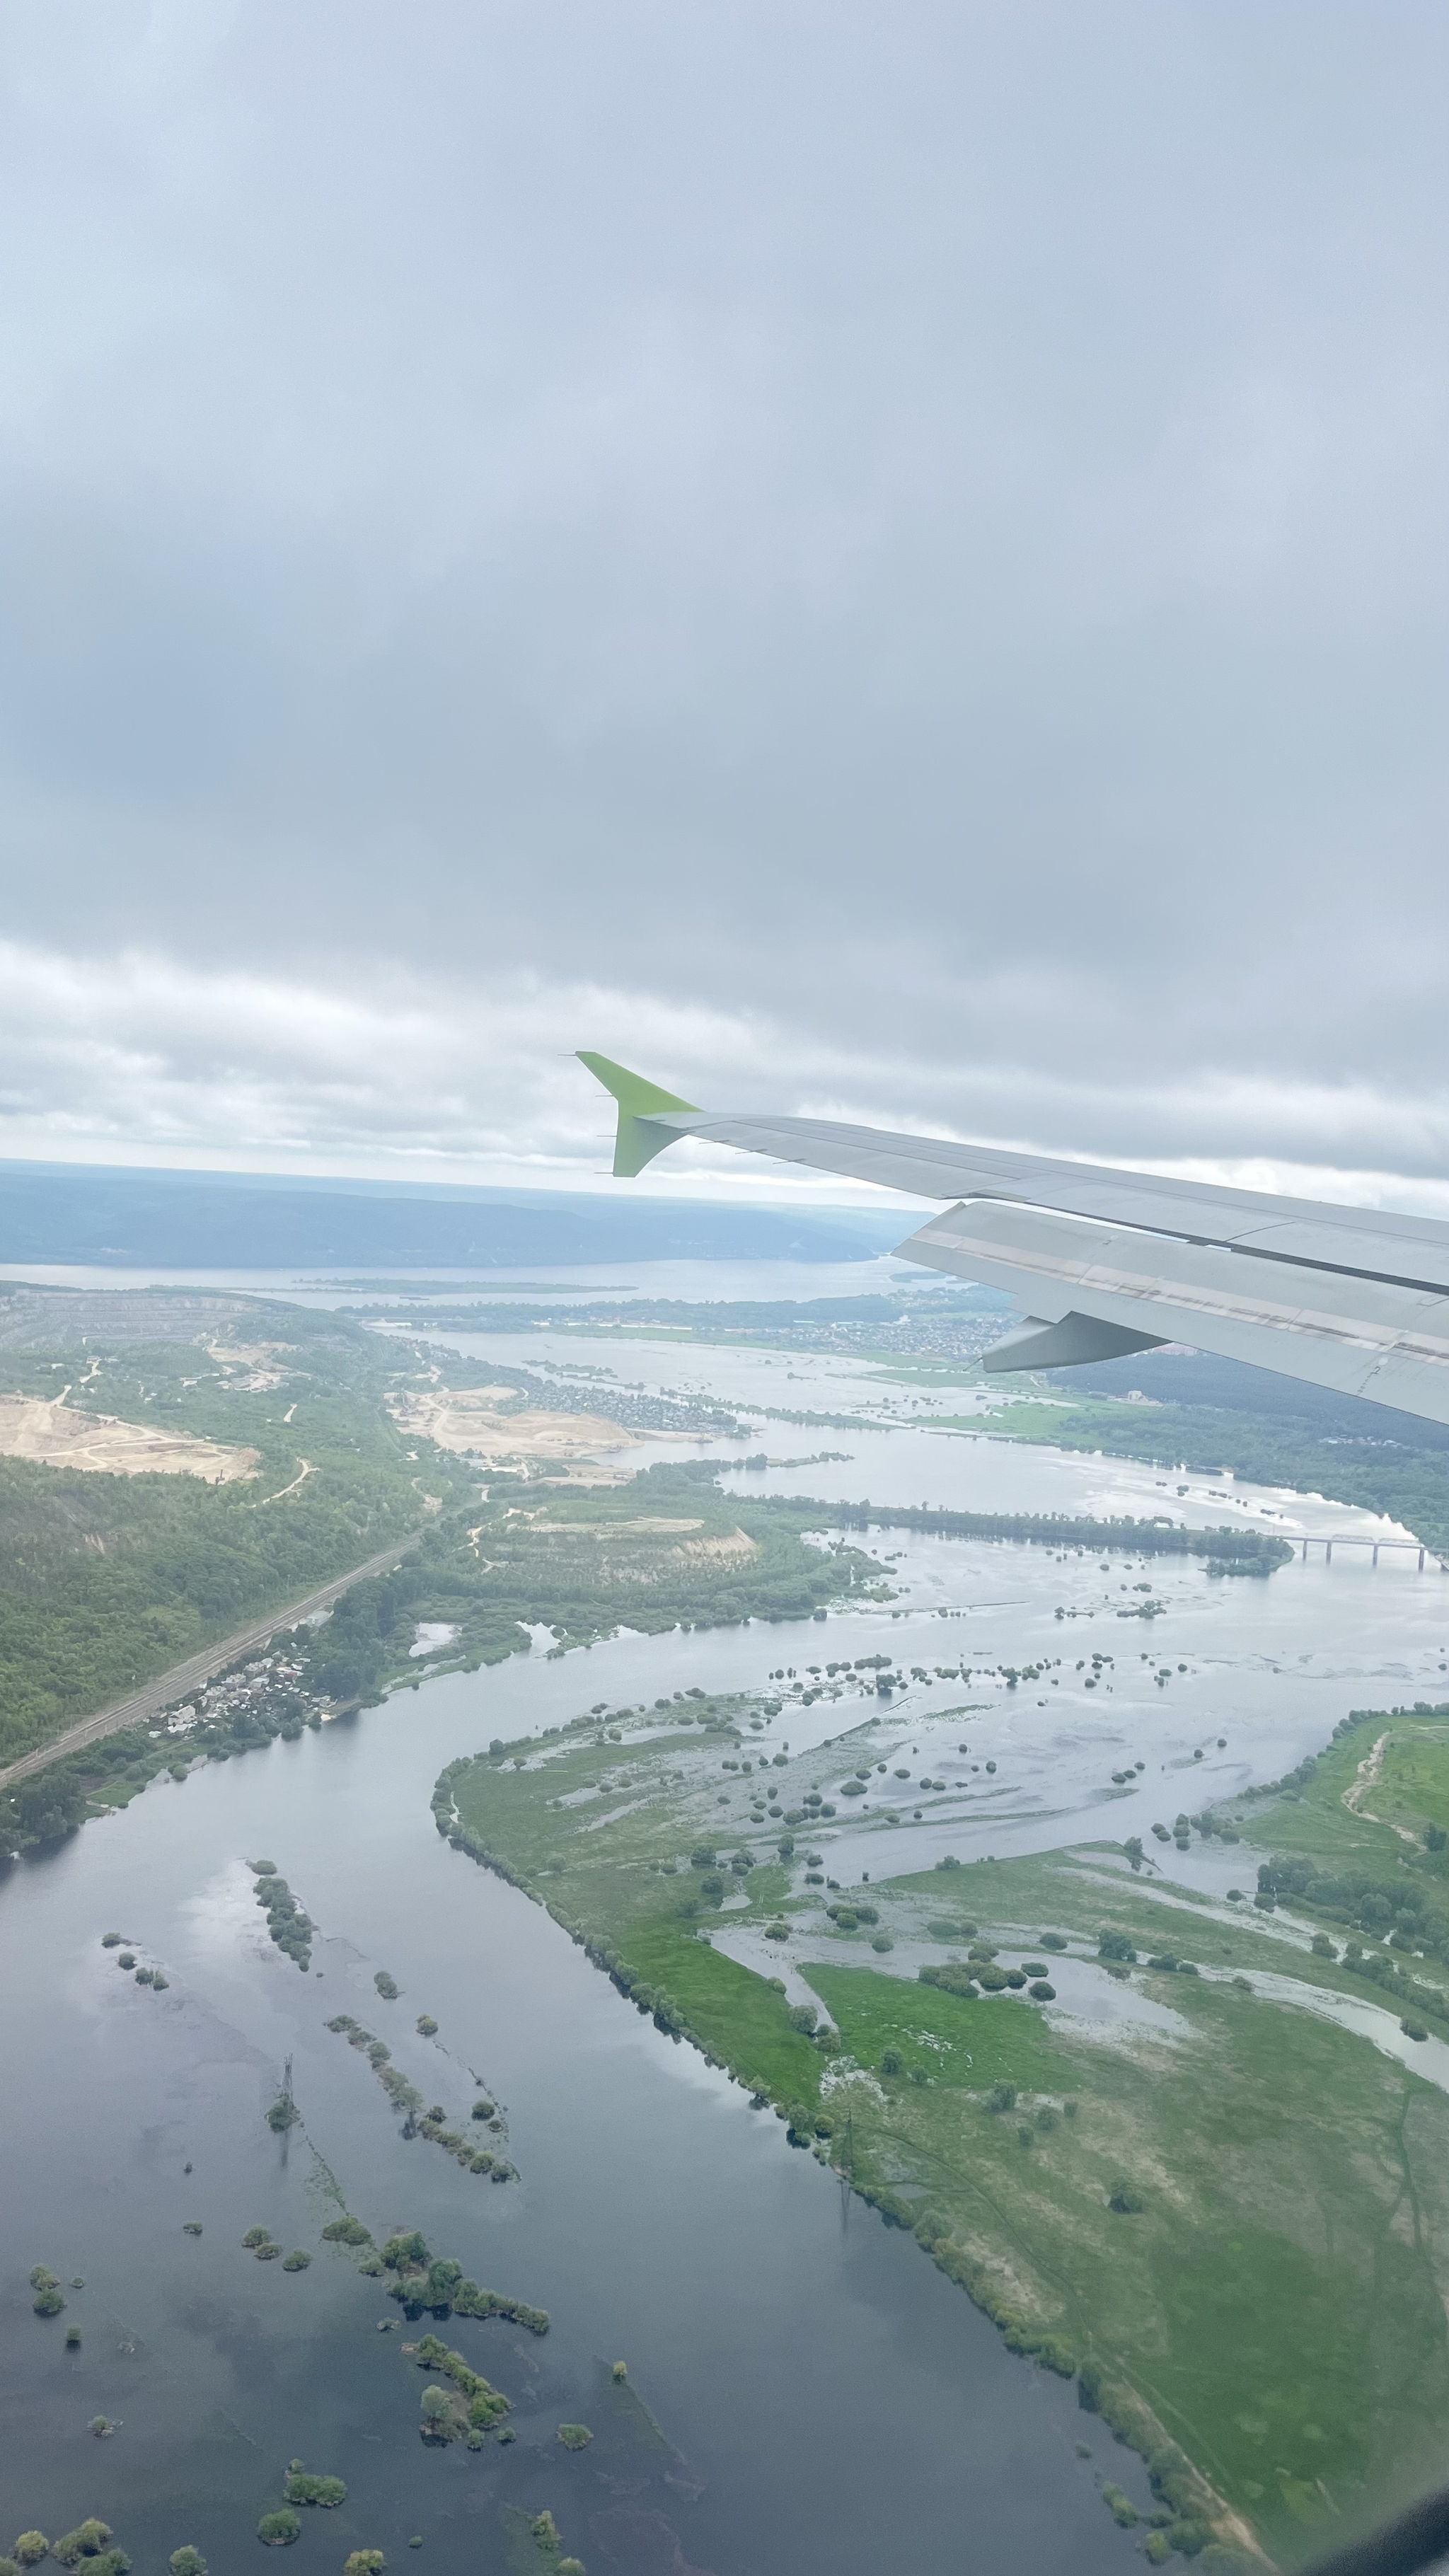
x=886, y=563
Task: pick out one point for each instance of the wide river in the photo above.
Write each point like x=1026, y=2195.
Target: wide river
x=813, y=2395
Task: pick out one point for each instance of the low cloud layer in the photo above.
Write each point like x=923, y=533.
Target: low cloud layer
x=142, y=1059
x=883, y=565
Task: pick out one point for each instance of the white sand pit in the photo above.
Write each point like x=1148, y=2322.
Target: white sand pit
x=467, y=1420
x=51, y=1433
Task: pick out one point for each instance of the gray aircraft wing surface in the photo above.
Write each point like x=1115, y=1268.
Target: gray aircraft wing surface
x=1105, y=1261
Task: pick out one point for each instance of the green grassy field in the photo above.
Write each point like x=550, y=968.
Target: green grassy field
x=1413, y=1787
x=1262, y=2314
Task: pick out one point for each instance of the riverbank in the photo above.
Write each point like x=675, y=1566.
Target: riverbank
x=818, y=2395
x=1119, y=2172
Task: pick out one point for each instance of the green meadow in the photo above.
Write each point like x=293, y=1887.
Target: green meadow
x=1225, y=2214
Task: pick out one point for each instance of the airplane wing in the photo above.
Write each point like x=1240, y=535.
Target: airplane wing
x=1105, y=1261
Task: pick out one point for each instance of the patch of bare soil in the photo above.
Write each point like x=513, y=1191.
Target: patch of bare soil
x=468, y=1421
x=258, y=1358
x=51, y=1434
x=723, y=1546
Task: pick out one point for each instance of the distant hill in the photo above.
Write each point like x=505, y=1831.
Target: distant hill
x=260, y=1221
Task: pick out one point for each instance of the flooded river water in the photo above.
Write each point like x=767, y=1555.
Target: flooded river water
x=812, y=2394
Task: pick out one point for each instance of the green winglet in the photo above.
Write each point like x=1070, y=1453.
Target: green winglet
x=636, y=1143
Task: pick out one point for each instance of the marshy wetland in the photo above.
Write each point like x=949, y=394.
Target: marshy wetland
x=814, y=2376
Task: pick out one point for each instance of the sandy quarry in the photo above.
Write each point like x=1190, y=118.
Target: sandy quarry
x=468, y=1421
x=724, y=1545
x=258, y=1358
x=54, y=1434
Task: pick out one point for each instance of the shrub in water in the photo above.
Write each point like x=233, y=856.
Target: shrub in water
x=86, y=2541
x=302, y=2487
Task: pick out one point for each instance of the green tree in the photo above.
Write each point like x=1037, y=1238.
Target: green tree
x=302, y=2486
x=86, y=2541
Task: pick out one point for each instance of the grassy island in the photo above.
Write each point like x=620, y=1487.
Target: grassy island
x=1219, y=2209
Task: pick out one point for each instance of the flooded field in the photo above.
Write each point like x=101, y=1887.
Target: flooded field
x=812, y=2394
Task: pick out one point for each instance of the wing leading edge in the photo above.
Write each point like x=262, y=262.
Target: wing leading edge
x=1105, y=1261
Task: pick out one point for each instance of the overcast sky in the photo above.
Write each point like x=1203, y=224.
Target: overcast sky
x=887, y=562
